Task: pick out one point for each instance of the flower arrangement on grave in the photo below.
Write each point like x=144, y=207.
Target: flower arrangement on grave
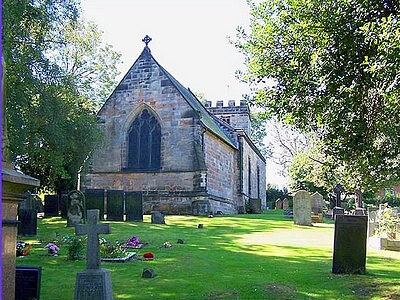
x=52, y=249
x=166, y=245
x=22, y=248
x=148, y=255
x=110, y=250
x=133, y=242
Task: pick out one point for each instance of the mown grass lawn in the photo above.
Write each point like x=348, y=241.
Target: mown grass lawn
x=232, y=257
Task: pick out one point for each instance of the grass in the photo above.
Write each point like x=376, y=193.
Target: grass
x=232, y=257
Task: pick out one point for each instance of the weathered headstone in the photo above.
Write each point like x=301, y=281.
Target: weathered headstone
x=278, y=203
x=63, y=205
x=75, y=208
x=317, y=202
x=255, y=206
x=27, y=216
x=51, y=205
x=157, y=217
x=94, y=283
x=201, y=208
x=302, y=208
x=350, y=244
x=373, y=222
x=115, y=205
x=285, y=204
x=95, y=200
x=134, y=206
x=27, y=282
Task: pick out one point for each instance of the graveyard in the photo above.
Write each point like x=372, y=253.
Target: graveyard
x=249, y=256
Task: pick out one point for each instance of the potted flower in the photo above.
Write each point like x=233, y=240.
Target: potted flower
x=52, y=249
x=22, y=248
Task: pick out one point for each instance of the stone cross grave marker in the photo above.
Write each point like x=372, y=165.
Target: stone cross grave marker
x=302, y=208
x=93, y=283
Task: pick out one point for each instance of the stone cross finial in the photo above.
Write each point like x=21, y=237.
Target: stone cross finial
x=146, y=40
x=92, y=229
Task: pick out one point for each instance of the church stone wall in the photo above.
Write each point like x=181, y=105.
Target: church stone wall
x=254, y=168
x=222, y=171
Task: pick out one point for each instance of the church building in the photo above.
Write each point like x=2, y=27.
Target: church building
x=185, y=157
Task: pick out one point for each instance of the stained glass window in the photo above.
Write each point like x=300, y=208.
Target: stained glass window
x=144, y=147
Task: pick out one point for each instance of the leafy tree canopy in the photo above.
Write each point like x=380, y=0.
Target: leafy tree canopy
x=331, y=68
x=57, y=72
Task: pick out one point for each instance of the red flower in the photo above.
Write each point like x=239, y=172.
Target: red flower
x=148, y=255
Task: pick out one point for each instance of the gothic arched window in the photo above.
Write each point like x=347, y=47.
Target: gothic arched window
x=144, y=145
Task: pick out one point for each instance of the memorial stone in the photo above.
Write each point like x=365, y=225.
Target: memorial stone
x=285, y=204
x=94, y=283
x=134, y=206
x=350, y=244
x=278, y=203
x=302, y=208
x=95, y=200
x=51, y=205
x=317, y=202
x=255, y=206
x=115, y=205
x=157, y=217
x=27, y=216
x=75, y=208
x=27, y=282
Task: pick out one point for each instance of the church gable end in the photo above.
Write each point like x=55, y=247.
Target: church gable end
x=159, y=139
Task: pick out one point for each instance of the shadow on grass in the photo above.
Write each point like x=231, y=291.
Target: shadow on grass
x=221, y=261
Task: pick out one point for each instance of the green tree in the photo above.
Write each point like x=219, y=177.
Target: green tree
x=50, y=109
x=331, y=68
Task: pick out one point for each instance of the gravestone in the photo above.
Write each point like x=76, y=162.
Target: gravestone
x=338, y=190
x=285, y=204
x=27, y=216
x=134, y=206
x=302, y=208
x=201, y=208
x=50, y=205
x=255, y=206
x=317, y=202
x=95, y=200
x=278, y=203
x=157, y=217
x=94, y=283
x=350, y=244
x=75, y=208
x=63, y=204
x=337, y=211
x=373, y=222
x=27, y=282
x=115, y=205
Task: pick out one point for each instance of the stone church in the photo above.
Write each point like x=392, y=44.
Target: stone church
x=185, y=157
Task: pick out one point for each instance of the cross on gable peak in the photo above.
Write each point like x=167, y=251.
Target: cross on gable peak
x=146, y=40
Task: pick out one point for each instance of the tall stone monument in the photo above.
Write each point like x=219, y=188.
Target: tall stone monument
x=302, y=208
x=94, y=283
x=14, y=185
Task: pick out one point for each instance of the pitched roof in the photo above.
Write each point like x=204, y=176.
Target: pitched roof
x=208, y=120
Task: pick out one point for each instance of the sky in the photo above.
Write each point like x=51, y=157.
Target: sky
x=190, y=39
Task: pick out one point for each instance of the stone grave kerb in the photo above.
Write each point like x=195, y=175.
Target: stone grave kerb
x=93, y=228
